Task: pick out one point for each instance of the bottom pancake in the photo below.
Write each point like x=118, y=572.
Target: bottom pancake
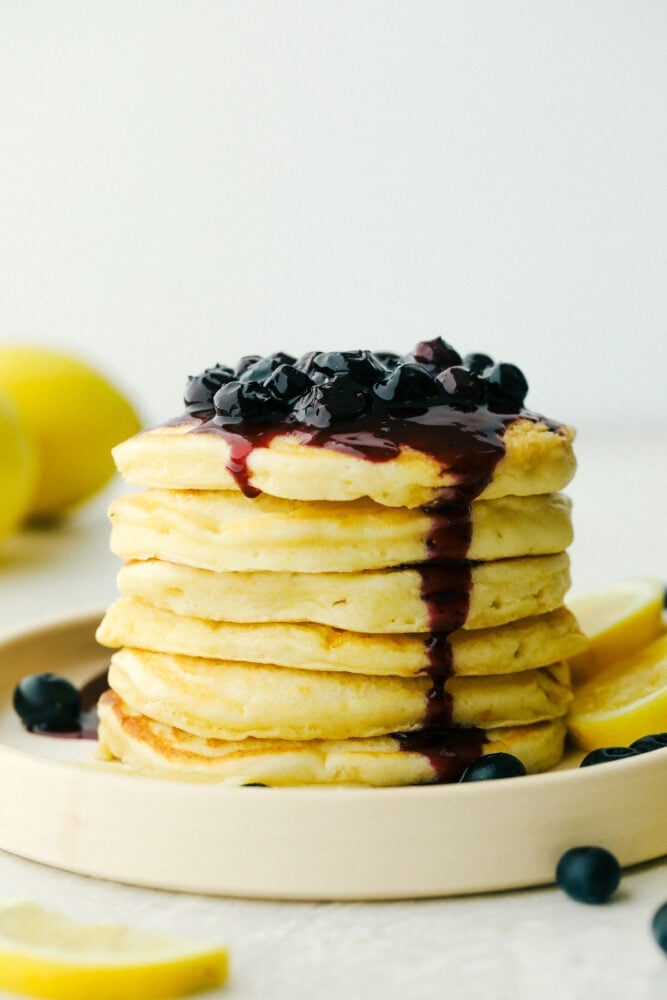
x=164, y=751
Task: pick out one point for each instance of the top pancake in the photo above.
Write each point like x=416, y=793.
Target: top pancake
x=537, y=459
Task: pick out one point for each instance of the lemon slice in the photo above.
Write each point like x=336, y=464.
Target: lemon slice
x=624, y=701
x=617, y=620
x=42, y=954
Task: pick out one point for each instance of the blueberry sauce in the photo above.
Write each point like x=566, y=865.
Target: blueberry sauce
x=370, y=406
x=449, y=749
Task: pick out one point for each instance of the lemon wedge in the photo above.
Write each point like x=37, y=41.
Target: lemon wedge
x=43, y=954
x=617, y=621
x=624, y=701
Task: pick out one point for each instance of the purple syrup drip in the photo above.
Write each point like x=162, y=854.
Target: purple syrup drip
x=449, y=750
x=468, y=444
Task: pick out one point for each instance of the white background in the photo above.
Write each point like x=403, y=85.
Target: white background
x=184, y=181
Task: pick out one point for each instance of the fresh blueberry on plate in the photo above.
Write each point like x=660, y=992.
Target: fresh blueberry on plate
x=47, y=702
x=653, y=741
x=494, y=765
x=606, y=754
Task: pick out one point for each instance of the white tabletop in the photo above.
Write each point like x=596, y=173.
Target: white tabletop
x=517, y=945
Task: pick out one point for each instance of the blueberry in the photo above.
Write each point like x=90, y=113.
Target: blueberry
x=287, y=383
x=363, y=366
x=463, y=388
x=388, y=359
x=507, y=386
x=201, y=389
x=588, y=874
x=477, y=363
x=260, y=370
x=654, y=741
x=333, y=400
x=47, y=702
x=606, y=754
x=494, y=765
x=434, y=355
x=305, y=362
x=282, y=358
x=237, y=402
x=410, y=386
x=245, y=362
x=659, y=926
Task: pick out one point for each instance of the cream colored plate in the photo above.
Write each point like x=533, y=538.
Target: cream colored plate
x=301, y=843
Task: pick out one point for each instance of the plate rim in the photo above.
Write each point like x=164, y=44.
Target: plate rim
x=441, y=806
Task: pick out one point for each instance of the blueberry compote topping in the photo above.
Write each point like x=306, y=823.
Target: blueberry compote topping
x=365, y=404
x=370, y=405
x=449, y=750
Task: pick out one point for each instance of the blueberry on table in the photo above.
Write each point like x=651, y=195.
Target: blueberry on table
x=47, y=702
x=659, y=926
x=654, y=741
x=492, y=766
x=588, y=874
x=606, y=754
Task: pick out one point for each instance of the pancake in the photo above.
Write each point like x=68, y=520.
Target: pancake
x=537, y=459
x=331, y=559
x=227, y=700
x=522, y=645
x=230, y=532
x=370, y=601
x=153, y=748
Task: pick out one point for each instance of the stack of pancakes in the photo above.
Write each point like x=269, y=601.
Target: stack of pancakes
x=318, y=619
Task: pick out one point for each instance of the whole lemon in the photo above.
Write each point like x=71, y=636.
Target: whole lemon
x=72, y=415
x=18, y=469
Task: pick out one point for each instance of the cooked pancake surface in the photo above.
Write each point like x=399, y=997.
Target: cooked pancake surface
x=230, y=532
x=371, y=601
x=536, y=460
x=520, y=645
x=228, y=700
x=295, y=561
x=154, y=748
